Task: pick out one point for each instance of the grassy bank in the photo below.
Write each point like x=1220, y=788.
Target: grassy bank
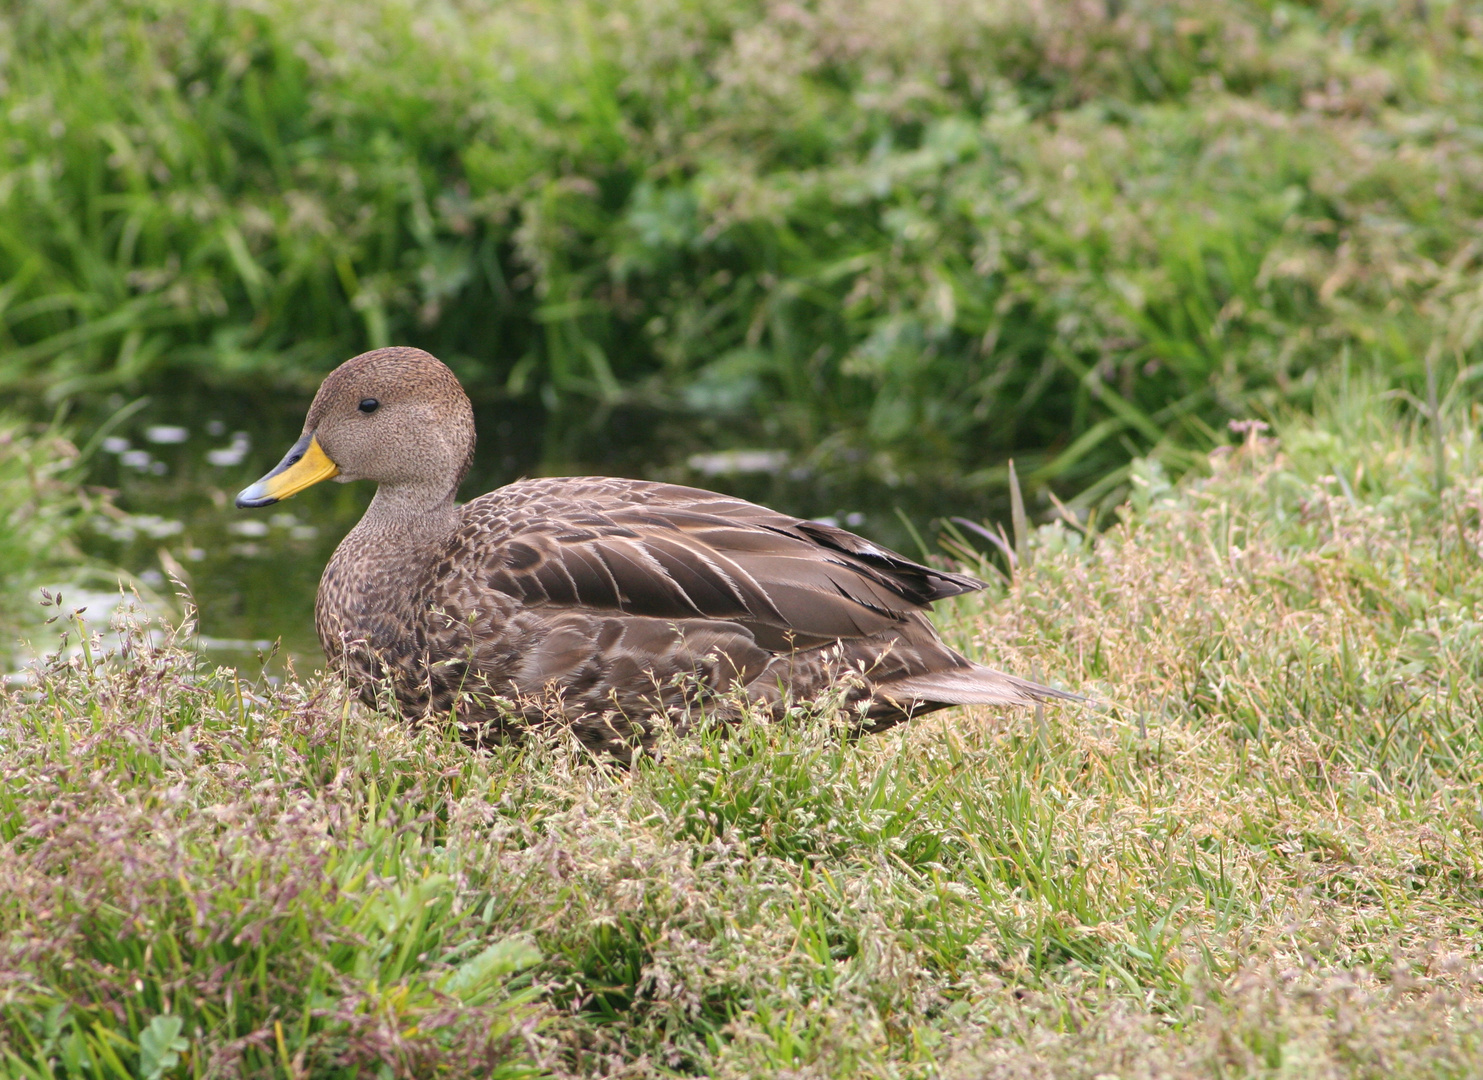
x=1257, y=856
x=904, y=239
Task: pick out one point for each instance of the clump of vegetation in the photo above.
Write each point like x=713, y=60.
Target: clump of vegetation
x=44, y=507
x=1255, y=855
x=187, y=906
x=909, y=239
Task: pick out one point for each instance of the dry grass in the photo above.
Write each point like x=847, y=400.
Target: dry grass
x=1259, y=856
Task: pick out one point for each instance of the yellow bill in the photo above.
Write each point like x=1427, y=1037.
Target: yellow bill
x=305, y=465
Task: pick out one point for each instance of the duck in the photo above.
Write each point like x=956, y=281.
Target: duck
x=615, y=607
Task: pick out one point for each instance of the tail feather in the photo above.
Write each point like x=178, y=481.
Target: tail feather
x=973, y=685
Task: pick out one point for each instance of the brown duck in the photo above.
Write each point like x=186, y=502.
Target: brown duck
x=611, y=604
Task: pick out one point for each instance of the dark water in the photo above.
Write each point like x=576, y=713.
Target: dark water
x=177, y=461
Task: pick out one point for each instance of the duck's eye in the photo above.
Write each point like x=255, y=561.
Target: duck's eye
x=369, y=405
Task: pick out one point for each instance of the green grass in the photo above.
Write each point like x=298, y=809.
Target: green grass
x=1259, y=854
x=908, y=240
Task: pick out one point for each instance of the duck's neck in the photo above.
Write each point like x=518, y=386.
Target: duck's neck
x=407, y=521
x=371, y=583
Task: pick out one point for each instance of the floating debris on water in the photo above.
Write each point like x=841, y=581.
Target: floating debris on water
x=296, y=529
x=233, y=454
x=166, y=433
x=853, y=520
x=738, y=461
x=129, y=526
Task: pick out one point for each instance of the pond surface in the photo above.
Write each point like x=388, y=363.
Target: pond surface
x=178, y=461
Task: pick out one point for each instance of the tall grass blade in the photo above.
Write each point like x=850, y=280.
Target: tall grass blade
x=1018, y=520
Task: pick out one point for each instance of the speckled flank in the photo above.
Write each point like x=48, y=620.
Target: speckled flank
x=612, y=605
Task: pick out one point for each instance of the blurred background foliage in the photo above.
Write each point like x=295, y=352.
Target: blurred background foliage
x=908, y=240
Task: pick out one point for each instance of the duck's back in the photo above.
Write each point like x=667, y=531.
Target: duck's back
x=664, y=551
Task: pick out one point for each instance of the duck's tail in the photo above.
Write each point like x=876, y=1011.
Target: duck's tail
x=971, y=685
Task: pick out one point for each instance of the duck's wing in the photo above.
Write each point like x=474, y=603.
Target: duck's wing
x=665, y=551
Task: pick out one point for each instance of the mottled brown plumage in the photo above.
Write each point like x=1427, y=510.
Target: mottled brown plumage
x=614, y=605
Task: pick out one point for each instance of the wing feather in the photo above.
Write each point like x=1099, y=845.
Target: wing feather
x=672, y=552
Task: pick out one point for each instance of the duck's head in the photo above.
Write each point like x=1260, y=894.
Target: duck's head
x=397, y=416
